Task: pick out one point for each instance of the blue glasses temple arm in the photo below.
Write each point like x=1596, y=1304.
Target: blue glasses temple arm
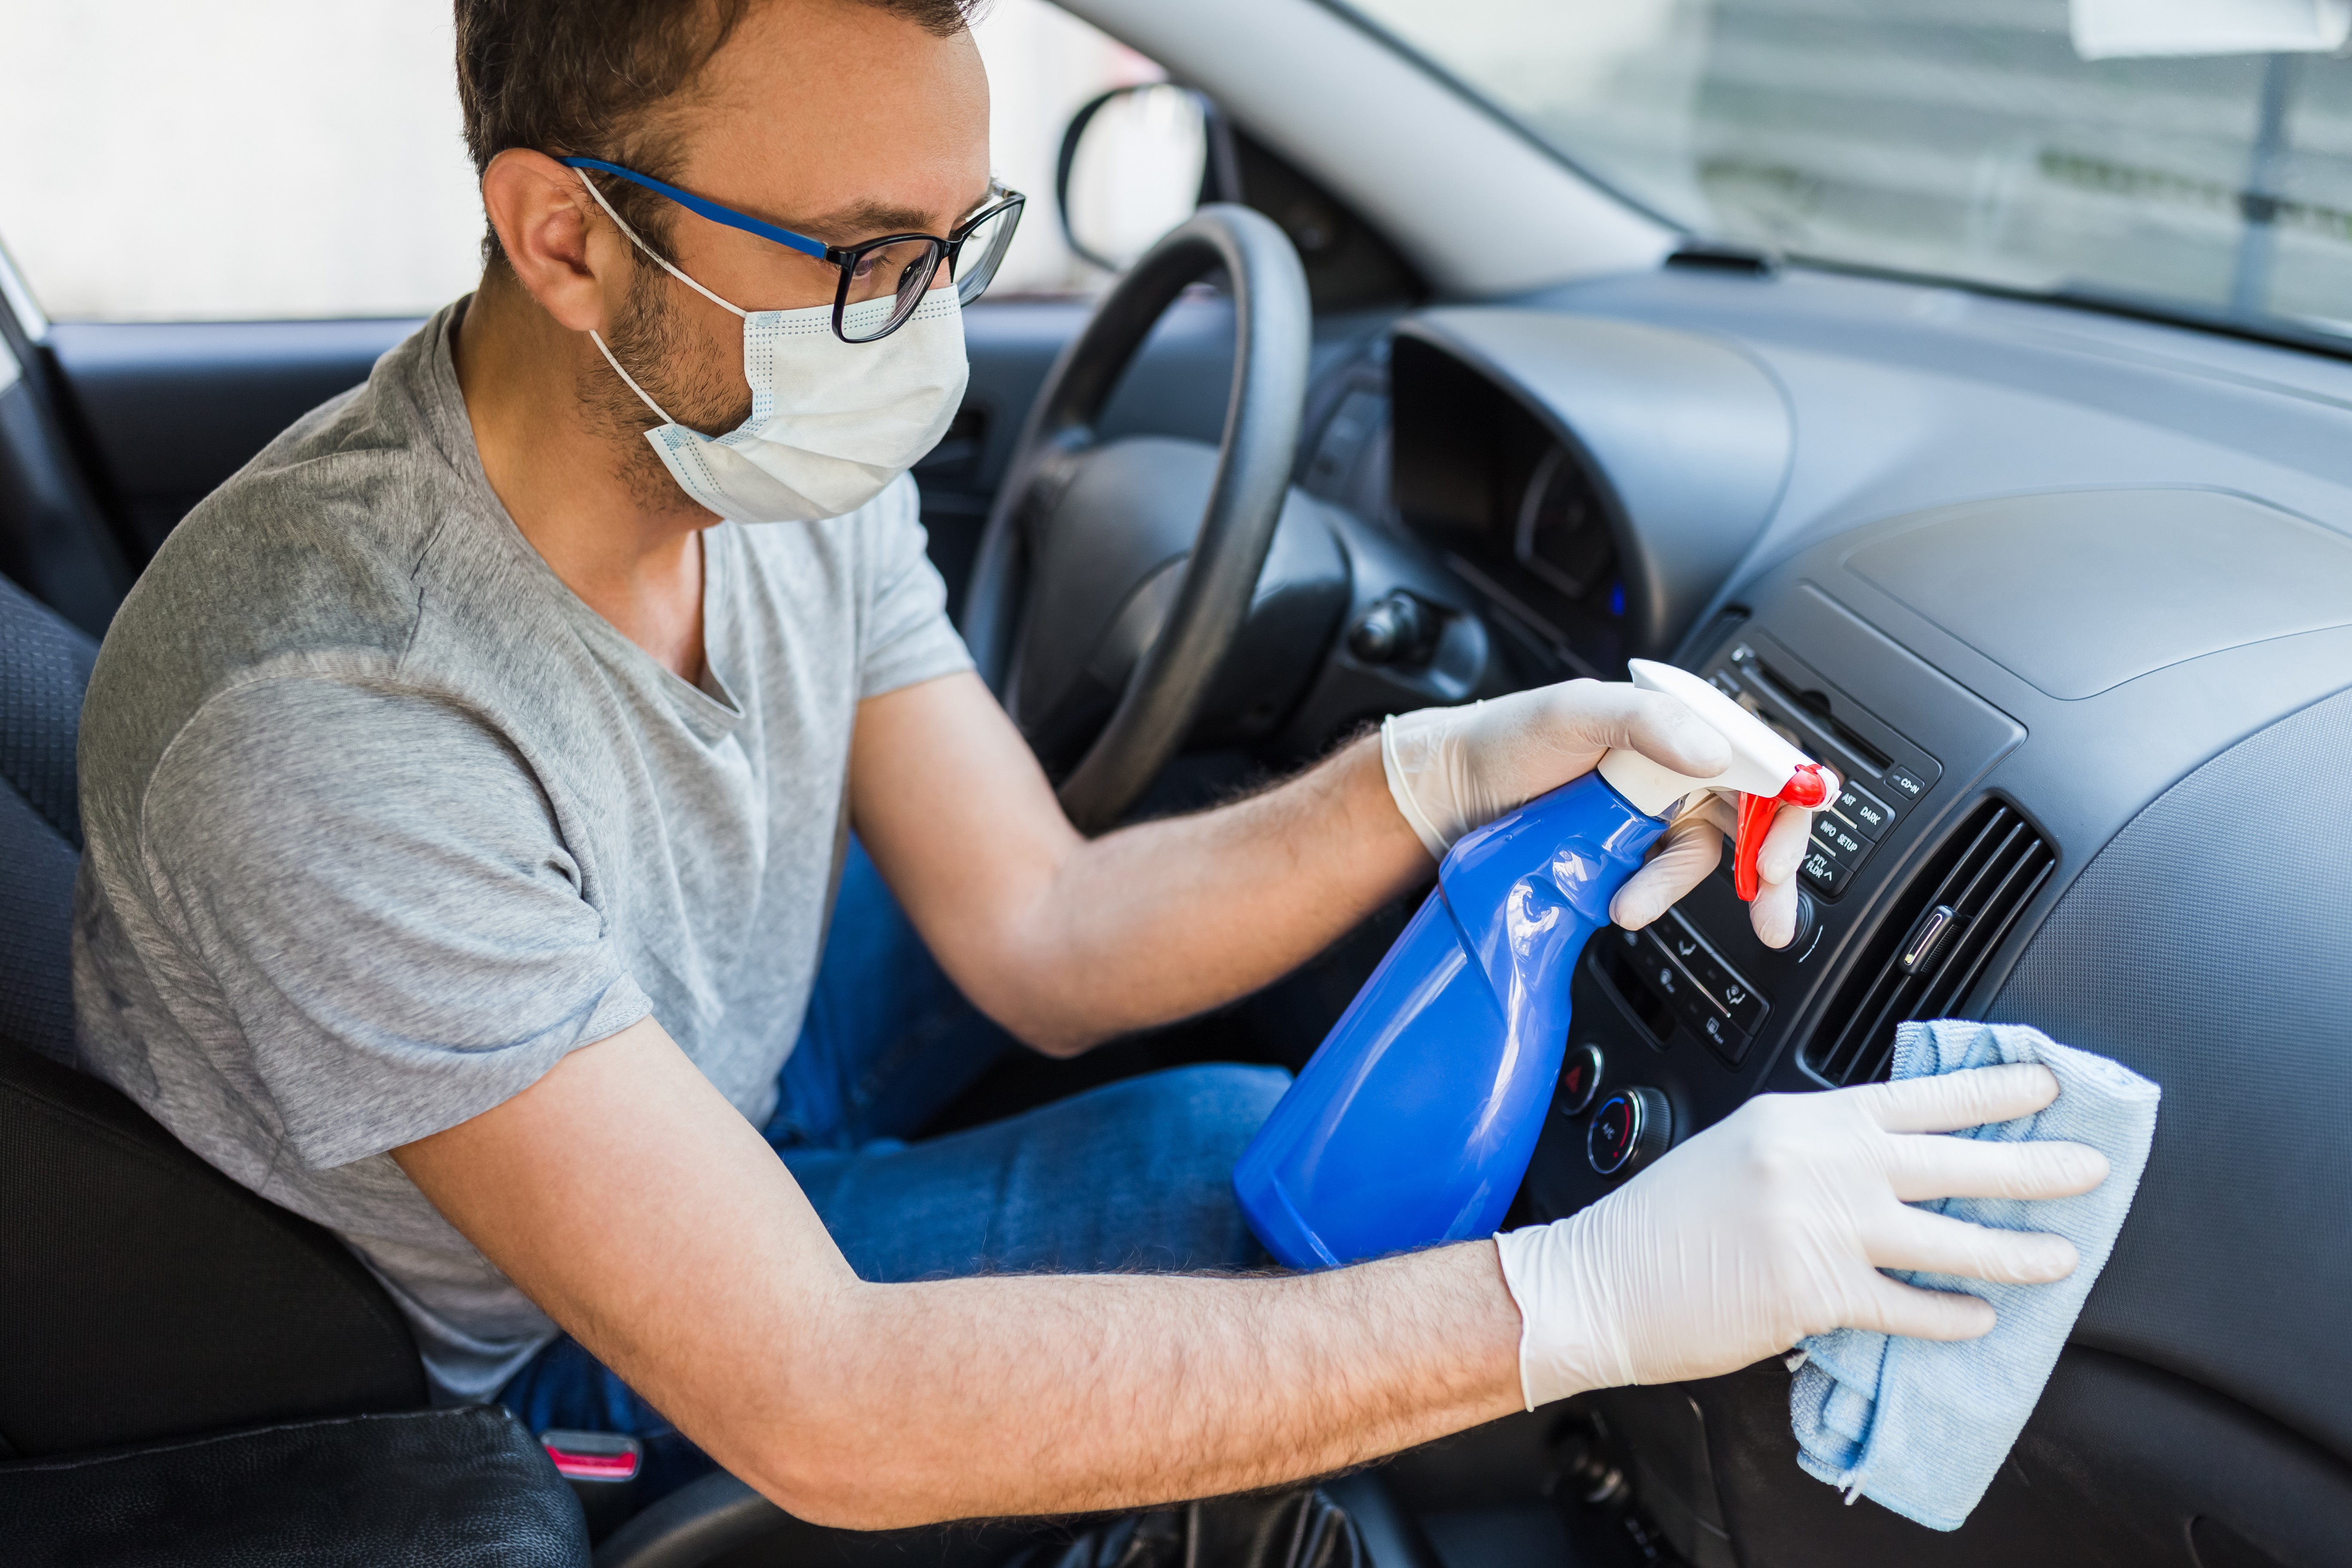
x=708, y=209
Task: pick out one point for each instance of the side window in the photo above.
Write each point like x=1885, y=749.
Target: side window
x=285, y=159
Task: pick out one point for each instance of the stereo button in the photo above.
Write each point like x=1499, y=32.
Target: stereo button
x=1725, y=994
x=1825, y=871
x=1727, y=1042
x=1694, y=1010
x=1871, y=817
x=1692, y=954
x=1745, y=1008
x=1837, y=835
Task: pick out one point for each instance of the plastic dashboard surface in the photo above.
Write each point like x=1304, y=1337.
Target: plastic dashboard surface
x=2171, y=933
x=2094, y=572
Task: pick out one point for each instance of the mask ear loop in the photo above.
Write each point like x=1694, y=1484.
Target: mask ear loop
x=598, y=338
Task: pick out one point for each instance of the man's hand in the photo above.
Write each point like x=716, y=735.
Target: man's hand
x=1454, y=769
x=1692, y=849
x=1773, y=1225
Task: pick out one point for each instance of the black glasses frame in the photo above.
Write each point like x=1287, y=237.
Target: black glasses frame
x=969, y=285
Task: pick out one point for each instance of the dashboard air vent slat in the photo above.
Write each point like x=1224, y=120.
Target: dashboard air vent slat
x=1986, y=873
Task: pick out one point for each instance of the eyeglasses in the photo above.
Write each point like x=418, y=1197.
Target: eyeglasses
x=882, y=280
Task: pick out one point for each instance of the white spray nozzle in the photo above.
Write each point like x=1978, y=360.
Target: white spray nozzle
x=1765, y=769
x=1762, y=763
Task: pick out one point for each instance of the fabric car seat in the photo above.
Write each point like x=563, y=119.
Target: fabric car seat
x=447, y=1489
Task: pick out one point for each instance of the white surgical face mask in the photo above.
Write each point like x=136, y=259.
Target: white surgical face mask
x=832, y=422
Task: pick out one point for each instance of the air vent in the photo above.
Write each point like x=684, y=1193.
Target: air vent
x=1935, y=945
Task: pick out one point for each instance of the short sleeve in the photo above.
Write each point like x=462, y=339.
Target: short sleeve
x=908, y=638
x=376, y=884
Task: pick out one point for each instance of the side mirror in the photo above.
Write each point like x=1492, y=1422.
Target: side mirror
x=1135, y=162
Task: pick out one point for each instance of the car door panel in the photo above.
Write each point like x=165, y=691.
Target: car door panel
x=173, y=409
x=55, y=541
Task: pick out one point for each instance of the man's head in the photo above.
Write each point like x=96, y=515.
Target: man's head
x=840, y=119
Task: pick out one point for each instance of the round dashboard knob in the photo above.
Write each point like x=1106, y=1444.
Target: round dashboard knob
x=1632, y=1127
x=1809, y=915
x=1580, y=1079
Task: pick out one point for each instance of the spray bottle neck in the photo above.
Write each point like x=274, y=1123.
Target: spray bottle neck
x=1648, y=787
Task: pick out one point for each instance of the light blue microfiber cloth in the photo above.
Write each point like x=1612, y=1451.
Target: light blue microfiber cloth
x=1922, y=1427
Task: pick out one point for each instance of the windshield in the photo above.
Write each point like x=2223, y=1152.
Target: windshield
x=2112, y=148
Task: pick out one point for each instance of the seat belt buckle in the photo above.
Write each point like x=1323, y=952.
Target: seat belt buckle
x=600, y=1458
x=601, y=1469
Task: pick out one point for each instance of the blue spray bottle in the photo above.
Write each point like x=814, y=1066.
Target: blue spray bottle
x=1414, y=1121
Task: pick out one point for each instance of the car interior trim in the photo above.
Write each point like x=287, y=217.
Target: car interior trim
x=2167, y=548
x=17, y=296
x=1690, y=437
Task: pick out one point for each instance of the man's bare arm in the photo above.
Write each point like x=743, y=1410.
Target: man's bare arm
x=1068, y=942
x=627, y=1198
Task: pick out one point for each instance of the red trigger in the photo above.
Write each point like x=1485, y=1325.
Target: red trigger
x=1807, y=789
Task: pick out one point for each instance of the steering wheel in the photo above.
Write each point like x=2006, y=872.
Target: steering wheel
x=1074, y=511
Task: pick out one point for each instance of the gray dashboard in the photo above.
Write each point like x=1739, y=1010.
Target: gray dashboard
x=2059, y=587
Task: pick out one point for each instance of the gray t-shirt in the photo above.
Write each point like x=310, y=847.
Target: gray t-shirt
x=384, y=821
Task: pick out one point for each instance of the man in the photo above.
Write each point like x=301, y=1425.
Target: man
x=464, y=799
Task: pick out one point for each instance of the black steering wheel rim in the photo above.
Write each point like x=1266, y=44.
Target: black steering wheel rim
x=1272, y=323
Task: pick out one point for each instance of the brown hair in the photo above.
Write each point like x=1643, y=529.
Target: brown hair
x=590, y=78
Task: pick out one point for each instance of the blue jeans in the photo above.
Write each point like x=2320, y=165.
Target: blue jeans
x=1133, y=1175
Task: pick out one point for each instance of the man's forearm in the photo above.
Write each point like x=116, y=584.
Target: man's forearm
x=1166, y=919
x=1058, y=1395
x=1068, y=942
x=628, y=1199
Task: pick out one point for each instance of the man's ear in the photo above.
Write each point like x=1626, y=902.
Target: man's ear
x=567, y=259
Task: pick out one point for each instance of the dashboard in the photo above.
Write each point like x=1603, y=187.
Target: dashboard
x=2066, y=601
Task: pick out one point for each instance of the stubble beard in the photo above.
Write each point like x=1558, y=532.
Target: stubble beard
x=701, y=389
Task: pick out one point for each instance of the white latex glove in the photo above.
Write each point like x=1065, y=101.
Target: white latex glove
x=1773, y=1225
x=1454, y=769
